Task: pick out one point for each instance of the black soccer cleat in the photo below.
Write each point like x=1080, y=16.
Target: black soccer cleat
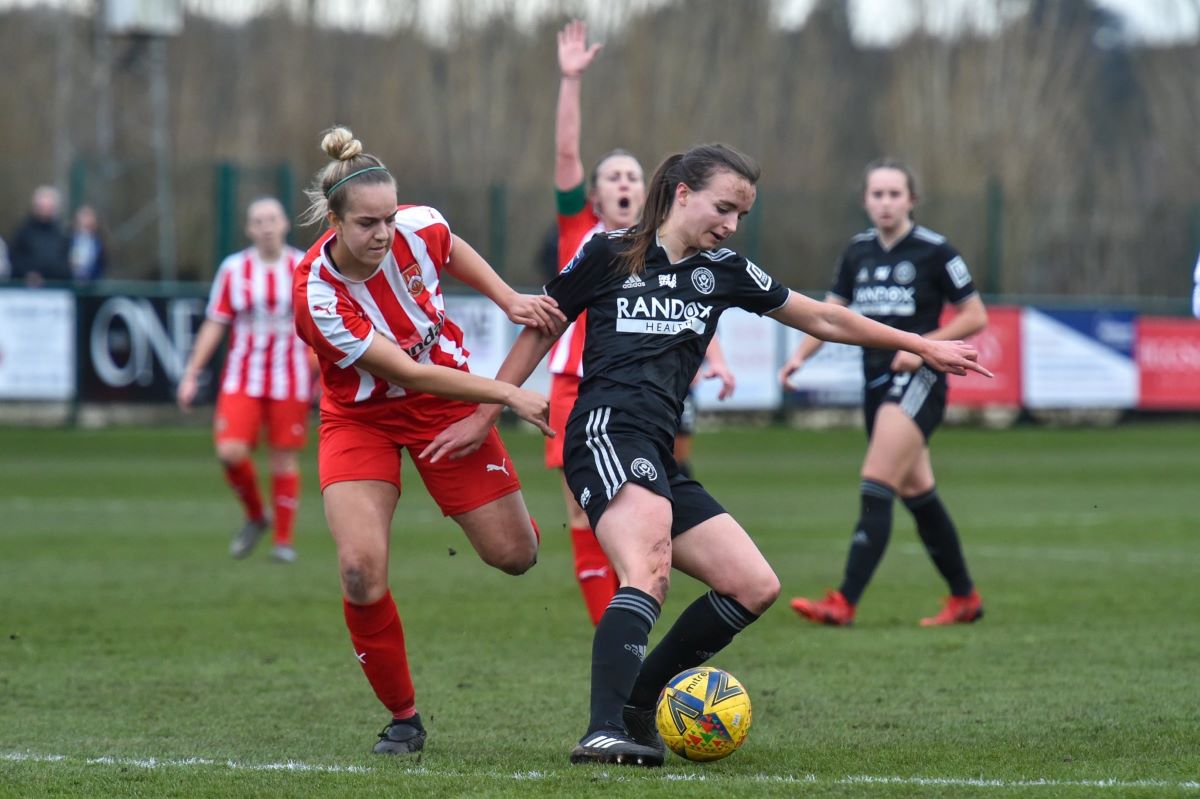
x=401, y=737
x=611, y=747
x=643, y=728
x=247, y=536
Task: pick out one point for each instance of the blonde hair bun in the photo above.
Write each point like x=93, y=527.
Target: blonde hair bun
x=339, y=143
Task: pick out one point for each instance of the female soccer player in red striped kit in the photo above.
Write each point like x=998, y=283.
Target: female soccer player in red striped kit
x=611, y=199
x=266, y=380
x=394, y=372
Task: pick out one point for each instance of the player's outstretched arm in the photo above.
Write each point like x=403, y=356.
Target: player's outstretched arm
x=385, y=360
x=466, y=436
x=531, y=310
x=831, y=322
x=574, y=56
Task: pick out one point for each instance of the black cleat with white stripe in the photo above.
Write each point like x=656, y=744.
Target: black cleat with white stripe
x=611, y=747
x=643, y=728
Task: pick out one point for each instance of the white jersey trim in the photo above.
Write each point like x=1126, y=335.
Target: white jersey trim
x=925, y=234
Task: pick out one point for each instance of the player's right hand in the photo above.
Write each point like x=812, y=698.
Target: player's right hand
x=574, y=55
x=954, y=357
x=789, y=368
x=186, y=392
x=533, y=408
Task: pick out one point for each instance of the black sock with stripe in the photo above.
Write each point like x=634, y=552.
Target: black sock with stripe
x=618, y=649
x=870, y=538
x=702, y=630
x=937, y=532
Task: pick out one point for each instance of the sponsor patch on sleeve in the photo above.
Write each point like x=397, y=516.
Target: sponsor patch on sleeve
x=957, y=269
x=760, y=277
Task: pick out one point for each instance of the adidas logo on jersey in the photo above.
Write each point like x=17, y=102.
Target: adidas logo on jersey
x=633, y=282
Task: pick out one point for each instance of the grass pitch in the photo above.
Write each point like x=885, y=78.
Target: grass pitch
x=138, y=659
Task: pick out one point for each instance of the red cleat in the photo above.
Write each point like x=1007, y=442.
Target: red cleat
x=957, y=610
x=833, y=609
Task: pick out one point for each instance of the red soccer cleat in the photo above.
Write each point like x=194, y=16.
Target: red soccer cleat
x=957, y=610
x=833, y=609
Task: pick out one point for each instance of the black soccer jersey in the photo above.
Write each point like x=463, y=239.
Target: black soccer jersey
x=904, y=287
x=647, y=333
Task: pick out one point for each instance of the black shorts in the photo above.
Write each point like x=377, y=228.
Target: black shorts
x=920, y=394
x=606, y=448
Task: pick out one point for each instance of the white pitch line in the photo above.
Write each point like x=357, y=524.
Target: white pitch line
x=666, y=776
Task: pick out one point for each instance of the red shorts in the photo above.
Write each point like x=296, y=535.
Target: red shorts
x=358, y=450
x=240, y=418
x=564, y=390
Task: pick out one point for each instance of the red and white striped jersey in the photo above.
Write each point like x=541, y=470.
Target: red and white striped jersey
x=265, y=358
x=574, y=231
x=339, y=317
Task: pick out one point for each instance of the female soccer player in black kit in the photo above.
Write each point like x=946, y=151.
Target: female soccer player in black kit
x=900, y=274
x=653, y=295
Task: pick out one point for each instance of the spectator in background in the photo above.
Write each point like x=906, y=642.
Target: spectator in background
x=39, y=248
x=88, y=257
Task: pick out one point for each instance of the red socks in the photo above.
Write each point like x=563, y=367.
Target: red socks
x=597, y=578
x=285, y=495
x=378, y=640
x=242, y=478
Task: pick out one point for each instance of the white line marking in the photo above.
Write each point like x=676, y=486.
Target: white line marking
x=424, y=771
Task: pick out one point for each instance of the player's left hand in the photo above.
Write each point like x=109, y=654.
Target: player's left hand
x=537, y=311
x=954, y=357
x=459, y=439
x=905, y=361
x=728, y=383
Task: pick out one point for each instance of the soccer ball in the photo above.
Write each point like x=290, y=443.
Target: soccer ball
x=703, y=714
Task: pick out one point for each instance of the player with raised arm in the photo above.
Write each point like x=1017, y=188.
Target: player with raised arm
x=394, y=370
x=901, y=274
x=645, y=340
x=266, y=381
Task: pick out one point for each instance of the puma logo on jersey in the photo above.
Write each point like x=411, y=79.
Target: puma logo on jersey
x=492, y=467
x=329, y=308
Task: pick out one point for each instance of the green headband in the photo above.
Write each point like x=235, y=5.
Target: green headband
x=333, y=188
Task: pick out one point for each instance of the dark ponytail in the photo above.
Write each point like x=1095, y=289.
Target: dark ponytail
x=695, y=168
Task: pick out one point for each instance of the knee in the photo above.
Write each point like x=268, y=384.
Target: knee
x=231, y=453
x=515, y=559
x=760, y=593
x=361, y=584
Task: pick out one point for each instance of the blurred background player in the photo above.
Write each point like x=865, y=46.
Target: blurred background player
x=612, y=199
x=394, y=372
x=266, y=381
x=901, y=274
x=643, y=351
